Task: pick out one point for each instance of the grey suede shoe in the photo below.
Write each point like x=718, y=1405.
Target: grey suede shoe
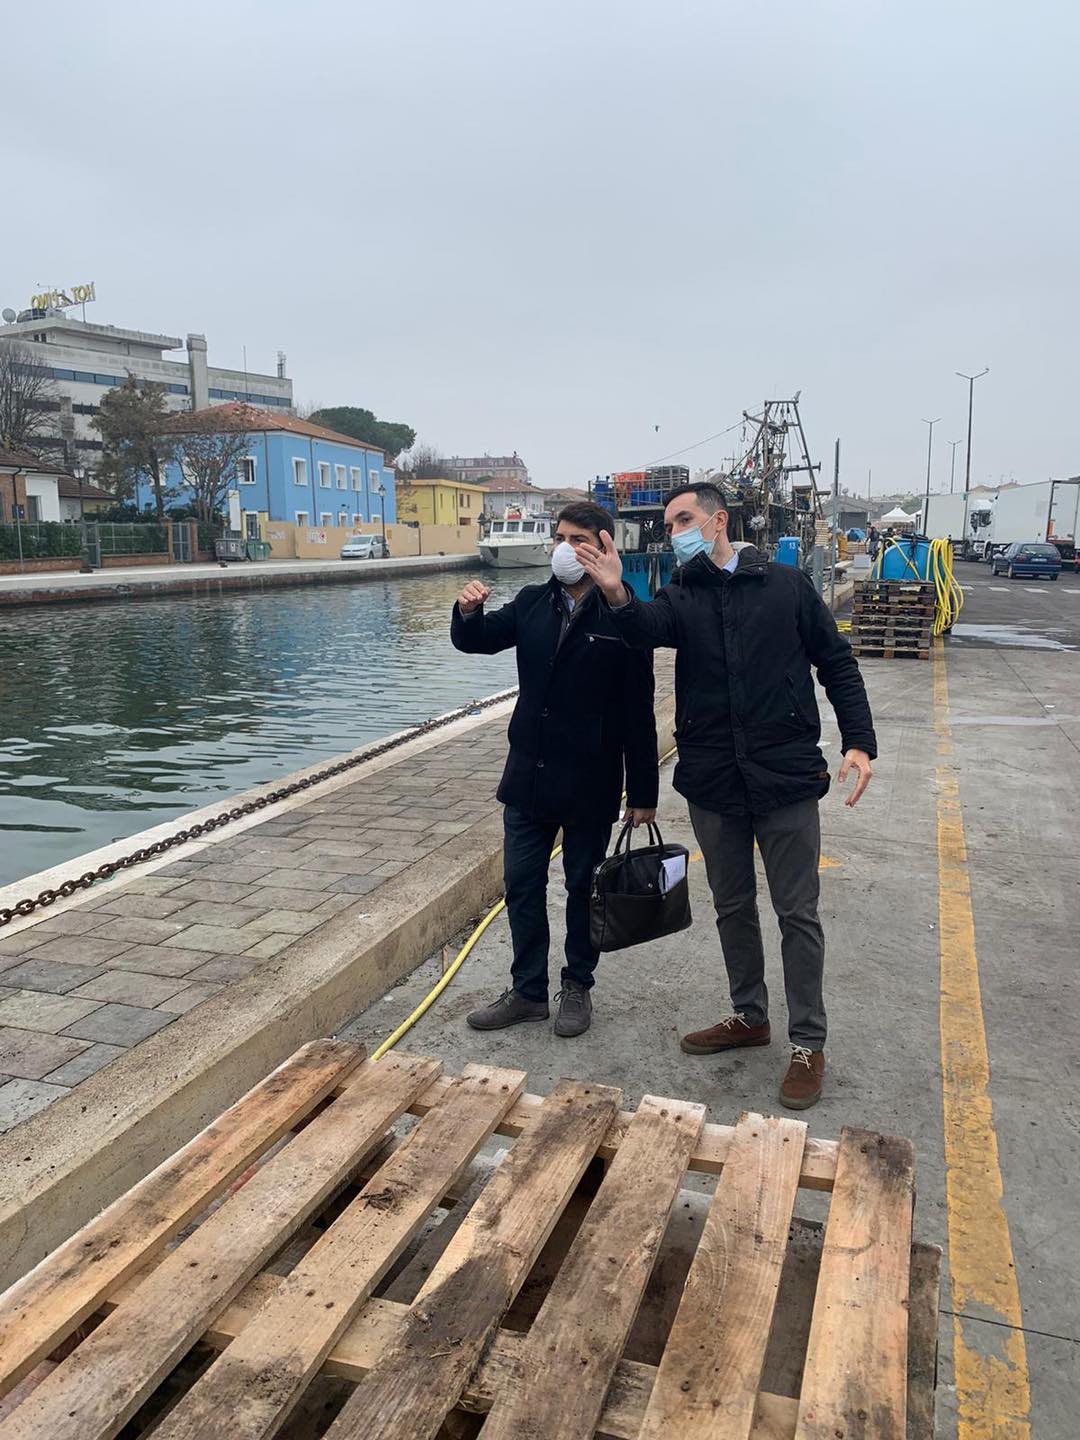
x=509, y=1009
x=575, y=1010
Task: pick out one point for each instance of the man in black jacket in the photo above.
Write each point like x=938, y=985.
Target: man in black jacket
x=746, y=633
x=584, y=708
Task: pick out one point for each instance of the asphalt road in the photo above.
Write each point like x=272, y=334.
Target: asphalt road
x=1018, y=614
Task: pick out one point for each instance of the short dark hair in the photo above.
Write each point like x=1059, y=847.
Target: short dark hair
x=709, y=497
x=588, y=516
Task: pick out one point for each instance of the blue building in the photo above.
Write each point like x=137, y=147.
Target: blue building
x=292, y=471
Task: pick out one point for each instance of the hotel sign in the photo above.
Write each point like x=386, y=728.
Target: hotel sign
x=62, y=299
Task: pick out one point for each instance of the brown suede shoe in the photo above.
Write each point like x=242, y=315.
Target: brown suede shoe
x=802, y=1083
x=732, y=1033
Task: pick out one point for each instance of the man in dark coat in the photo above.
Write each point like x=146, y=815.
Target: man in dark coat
x=746, y=633
x=584, y=713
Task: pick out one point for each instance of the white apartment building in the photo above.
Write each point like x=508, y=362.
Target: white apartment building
x=85, y=360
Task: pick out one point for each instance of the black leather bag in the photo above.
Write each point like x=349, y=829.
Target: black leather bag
x=628, y=905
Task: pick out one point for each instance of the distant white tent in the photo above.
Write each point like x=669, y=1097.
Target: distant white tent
x=896, y=516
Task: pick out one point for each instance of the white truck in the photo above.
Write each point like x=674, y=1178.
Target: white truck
x=1049, y=510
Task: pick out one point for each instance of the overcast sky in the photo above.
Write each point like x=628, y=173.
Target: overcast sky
x=552, y=228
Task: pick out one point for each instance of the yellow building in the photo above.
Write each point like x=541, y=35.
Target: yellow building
x=438, y=502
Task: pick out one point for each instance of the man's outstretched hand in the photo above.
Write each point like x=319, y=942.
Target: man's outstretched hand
x=472, y=597
x=859, y=761
x=605, y=568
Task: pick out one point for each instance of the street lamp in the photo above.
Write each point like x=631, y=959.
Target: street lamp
x=929, y=451
x=380, y=491
x=967, y=464
x=952, y=466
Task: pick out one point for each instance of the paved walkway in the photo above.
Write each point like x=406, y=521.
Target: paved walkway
x=80, y=987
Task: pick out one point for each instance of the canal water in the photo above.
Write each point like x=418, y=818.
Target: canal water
x=118, y=716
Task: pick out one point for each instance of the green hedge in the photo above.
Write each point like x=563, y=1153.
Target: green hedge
x=133, y=539
x=41, y=540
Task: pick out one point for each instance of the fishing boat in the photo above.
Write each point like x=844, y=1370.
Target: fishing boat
x=515, y=541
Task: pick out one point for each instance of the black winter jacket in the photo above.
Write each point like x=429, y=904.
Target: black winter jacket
x=746, y=717
x=584, y=707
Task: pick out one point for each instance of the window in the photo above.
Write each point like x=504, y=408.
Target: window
x=299, y=475
x=247, y=470
x=341, y=477
x=326, y=519
x=373, y=477
x=463, y=499
x=301, y=517
x=358, y=520
x=357, y=478
x=512, y=527
x=343, y=519
x=324, y=475
x=528, y=525
x=33, y=509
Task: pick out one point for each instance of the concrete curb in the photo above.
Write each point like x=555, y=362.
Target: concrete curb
x=61, y=1167
x=79, y=590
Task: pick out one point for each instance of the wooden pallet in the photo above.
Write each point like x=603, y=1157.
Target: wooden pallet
x=890, y=651
x=364, y=1279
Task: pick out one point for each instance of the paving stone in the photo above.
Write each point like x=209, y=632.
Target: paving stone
x=160, y=960
x=221, y=912
x=358, y=884
x=157, y=884
x=191, y=995
x=138, y=931
x=70, y=922
x=225, y=968
x=281, y=897
x=332, y=865
x=389, y=868
x=82, y=949
x=30, y=1055
x=218, y=939
x=406, y=854
x=181, y=870
x=287, y=922
x=51, y=975
x=334, y=906
x=348, y=848
x=296, y=879
x=19, y=1099
x=36, y=1010
x=218, y=890
x=406, y=823
x=269, y=946
x=131, y=987
x=235, y=871
x=93, y=1059
x=143, y=907
x=119, y=1024
x=22, y=943
x=450, y=827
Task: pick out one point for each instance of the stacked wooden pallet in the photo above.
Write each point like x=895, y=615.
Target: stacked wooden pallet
x=892, y=617
x=573, y=1287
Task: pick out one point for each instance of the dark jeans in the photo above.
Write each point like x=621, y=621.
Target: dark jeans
x=790, y=843
x=527, y=847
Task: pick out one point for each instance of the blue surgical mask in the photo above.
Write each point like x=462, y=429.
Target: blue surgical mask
x=689, y=543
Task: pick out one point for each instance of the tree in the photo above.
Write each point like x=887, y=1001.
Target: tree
x=132, y=423
x=424, y=462
x=209, y=449
x=392, y=437
x=27, y=395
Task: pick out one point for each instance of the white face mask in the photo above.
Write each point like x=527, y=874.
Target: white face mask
x=567, y=568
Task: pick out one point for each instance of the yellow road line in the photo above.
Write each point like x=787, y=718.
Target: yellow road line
x=993, y=1388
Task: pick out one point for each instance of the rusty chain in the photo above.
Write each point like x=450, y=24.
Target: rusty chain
x=273, y=797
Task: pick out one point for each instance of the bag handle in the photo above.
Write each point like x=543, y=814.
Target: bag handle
x=655, y=838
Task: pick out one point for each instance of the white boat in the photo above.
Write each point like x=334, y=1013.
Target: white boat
x=515, y=541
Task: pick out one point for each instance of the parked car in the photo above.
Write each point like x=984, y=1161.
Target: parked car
x=1029, y=558
x=365, y=547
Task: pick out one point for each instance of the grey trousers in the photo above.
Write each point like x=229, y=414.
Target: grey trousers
x=790, y=843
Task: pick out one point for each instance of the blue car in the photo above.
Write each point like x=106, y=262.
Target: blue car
x=1029, y=559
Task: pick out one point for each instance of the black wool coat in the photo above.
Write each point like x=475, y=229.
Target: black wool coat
x=584, y=715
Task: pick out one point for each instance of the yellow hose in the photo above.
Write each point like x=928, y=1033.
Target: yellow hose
x=948, y=593
x=459, y=960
